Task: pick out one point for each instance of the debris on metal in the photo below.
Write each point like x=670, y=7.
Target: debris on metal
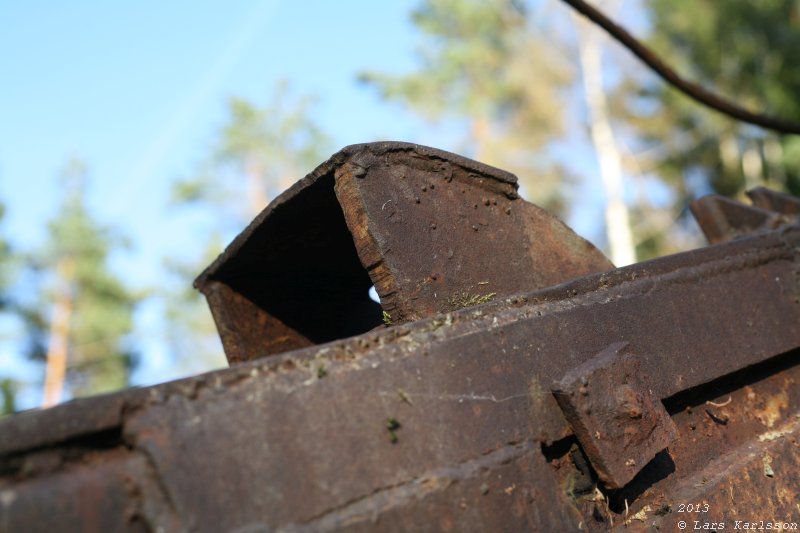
x=465, y=412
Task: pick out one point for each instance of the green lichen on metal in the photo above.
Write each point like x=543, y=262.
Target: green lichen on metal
x=392, y=425
x=463, y=299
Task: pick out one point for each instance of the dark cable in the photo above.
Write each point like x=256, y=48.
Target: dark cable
x=688, y=88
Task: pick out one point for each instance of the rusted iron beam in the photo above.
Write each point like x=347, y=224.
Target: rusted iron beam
x=449, y=423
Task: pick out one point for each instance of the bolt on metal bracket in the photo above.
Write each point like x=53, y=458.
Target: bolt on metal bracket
x=618, y=420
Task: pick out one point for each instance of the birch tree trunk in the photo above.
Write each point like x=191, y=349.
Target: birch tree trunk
x=617, y=216
x=752, y=167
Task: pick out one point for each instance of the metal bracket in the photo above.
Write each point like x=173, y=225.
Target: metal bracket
x=615, y=414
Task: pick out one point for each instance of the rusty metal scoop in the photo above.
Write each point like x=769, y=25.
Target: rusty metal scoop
x=431, y=230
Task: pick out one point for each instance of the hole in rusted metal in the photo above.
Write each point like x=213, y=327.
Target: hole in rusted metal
x=373, y=295
x=300, y=266
x=580, y=479
x=731, y=382
x=558, y=449
x=660, y=467
x=34, y=460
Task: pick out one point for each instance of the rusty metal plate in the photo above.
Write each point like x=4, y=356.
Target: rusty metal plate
x=431, y=227
x=86, y=491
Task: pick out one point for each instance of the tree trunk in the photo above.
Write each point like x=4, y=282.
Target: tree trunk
x=773, y=158
x=58, y=341
x=479, y=136
x=729, y=153
x=752, y=167
x=617, y=217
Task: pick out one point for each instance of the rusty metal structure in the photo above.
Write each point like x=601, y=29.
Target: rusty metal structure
x=511, y=379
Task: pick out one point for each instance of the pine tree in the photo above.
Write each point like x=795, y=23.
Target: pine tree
x=8, y=395
x=8, y=385
x=260, y=151
x=80, y=320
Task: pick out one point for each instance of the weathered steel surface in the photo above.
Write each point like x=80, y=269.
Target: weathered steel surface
x=427, y=228
x=736, y=460
x=619, y=422
x=723, y=219
x=431, y=227
x=299, y=441
x=774, y=201
x=241, y=325
x=104, y=490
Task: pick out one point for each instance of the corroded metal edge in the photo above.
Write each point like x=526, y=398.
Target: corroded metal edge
x=430, y=235
x=375, y=149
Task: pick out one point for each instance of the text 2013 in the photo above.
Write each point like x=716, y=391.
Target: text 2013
x=692, y=508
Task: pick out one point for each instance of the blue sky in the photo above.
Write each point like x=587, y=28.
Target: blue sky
x=137, y=90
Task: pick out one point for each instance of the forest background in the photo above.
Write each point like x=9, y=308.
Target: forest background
x=136, y=140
